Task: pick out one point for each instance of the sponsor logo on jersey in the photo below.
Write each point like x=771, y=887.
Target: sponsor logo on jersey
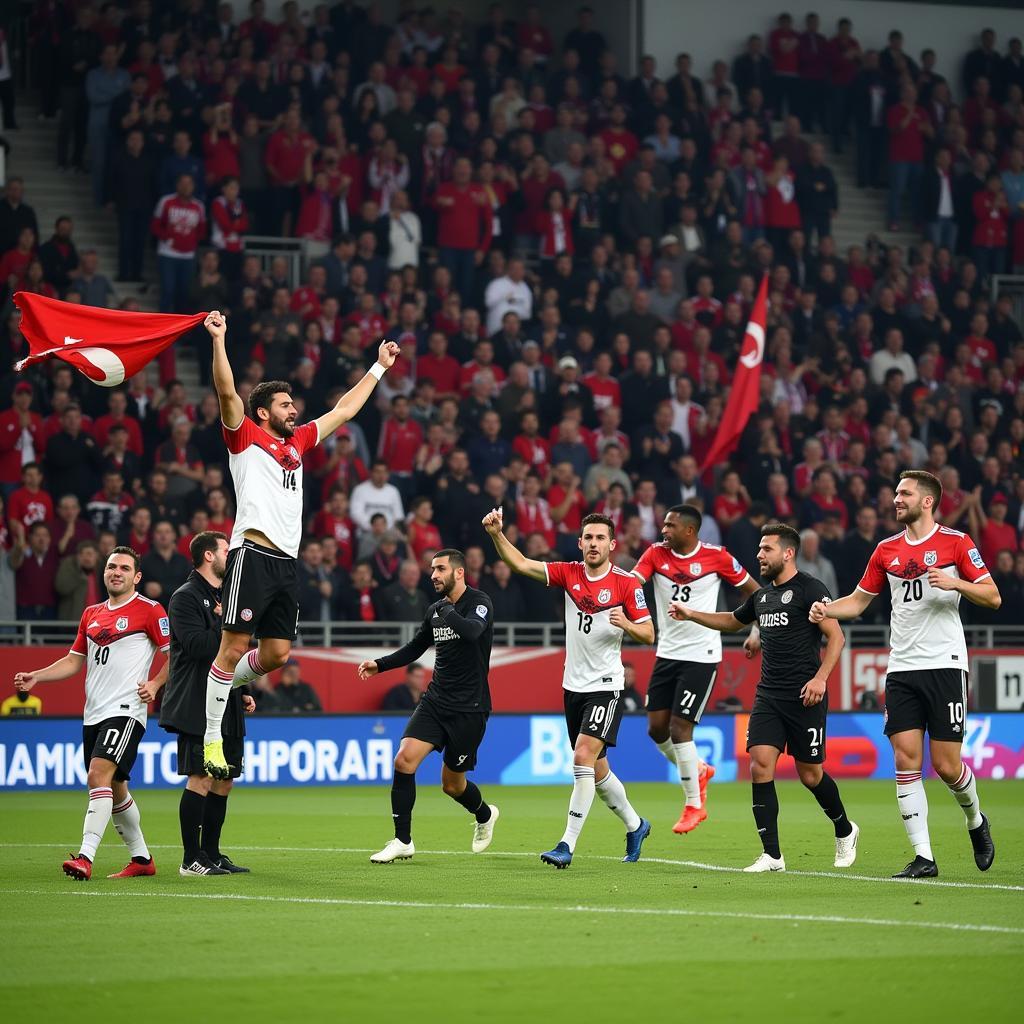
x=664, y=568
x=165, y=626
x=931, y=557
x=976, y=560
x=787, y=597
x=604, y=596
x=764, y=598
x=894, y=562
x=121, y=624
x=273, y=447
x=245, y=614
x=481, y=610
x=294, y=451
x=773, y=619
x=695, y=568
x=575, y=586
x=92, y=625
x=638, y=596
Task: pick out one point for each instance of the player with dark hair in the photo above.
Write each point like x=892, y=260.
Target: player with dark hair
x=927, y=568
x=683, y=568
x=261, y=583
x=117, y=640
x=452, y=713
x=195, y=613
x=791, y=705
x=602, y=603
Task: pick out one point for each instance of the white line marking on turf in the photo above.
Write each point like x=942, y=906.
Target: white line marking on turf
x=874, y=922
x=700, y=865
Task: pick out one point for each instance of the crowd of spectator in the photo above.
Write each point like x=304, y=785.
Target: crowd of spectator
x=567, y=258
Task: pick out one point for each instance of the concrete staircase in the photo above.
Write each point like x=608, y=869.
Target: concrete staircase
x=54, y=193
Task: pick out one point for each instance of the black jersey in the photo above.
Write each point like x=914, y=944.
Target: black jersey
x=462, y=634
x=790, y=643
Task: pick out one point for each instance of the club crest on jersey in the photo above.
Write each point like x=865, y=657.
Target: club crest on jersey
x=604, y=596
x=931, y=557
x=121, y=624
x=787, y=597
x=695, y=568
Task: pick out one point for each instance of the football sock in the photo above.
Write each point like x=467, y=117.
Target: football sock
x=248, y=668
x=965, y=793
x=218, y=686
x=826, y=793
x=215, y=808
x=128, y=823
x=579, y=803
x=766, y=816
x=613, y=793
x=403, y=796
x=913, y=805
x=668, y=750
x=190, y=817
x=101, y=806
x=689, y=768
x=471, y=799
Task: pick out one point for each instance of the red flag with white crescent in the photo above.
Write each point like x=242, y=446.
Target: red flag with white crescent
x=746, y=385
x=106, y=345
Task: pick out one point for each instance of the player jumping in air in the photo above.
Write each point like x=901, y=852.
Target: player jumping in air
x=602, y=602
x=116, y=641
x=685, y=569
x=452, y=714
x=260, y=593
x=928, y=568
x=791, y=705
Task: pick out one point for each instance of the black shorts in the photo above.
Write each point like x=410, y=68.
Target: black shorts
x=458, y=734
x=191, y=759
x=788, y=726
x=595, y=714
x=113, y=739
x=261, y=593
x=933, y=699
x=680, y=686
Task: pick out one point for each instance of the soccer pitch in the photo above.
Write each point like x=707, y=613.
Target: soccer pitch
x=317, y=932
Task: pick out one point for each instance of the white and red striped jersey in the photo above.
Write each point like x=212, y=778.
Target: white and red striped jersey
x=926, y=631
x=593, y=646
x=695, y=579
x=267, y=473
x=118, y=645
x=180, y=225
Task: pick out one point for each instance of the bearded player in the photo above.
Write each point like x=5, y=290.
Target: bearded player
x=260, y=593
x=927, y=568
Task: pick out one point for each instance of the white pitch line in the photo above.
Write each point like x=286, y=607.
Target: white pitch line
x=873, y=922
x=700, y=865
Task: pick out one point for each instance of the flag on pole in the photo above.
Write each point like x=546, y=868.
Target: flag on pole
x=106, y=345
x=746, y=385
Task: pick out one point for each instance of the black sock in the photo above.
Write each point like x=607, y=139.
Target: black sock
x=826, y=793
x=190, y=815
x=766, y=816
x=213, y=821
x=403, y=796
x=471, y=799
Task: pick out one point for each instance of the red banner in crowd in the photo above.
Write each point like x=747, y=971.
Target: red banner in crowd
x=106, y=345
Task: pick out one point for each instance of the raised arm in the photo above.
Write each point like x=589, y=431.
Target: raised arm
x=62, y=668
x=406, y=655
x=508, y=552
x=352, y=401
x=721, y=622
x=232, y=411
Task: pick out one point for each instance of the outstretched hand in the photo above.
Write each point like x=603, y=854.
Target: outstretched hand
x=367, y=669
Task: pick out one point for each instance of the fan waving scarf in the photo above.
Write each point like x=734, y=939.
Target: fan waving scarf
x=106, y=345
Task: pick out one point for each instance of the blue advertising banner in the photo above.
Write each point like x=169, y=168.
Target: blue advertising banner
x=40, y=754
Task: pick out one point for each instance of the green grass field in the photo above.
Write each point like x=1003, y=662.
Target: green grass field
x=316, y=932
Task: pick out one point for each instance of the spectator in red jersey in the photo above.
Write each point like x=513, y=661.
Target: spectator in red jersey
x=463, y=225
x=117, y=415
x=230, y=221
x=14, y=262
x=288, y=150
x=178, y=458
x=534, y=450
x=218, y=507
x=315, y=223
x=108, y=507
x=908, y=126
x=422, y=535
x=991, y=224
x=69, y=527
x=824, y=499
x=568, y=506
x=137, y=536
x=781, y=208
x=844, y=55
x=555, y=224
x=220, y=148
x=784, y=50
x=732, y=500
x=30, y=503
x=35, y=565
x=991, y=530
x=400, y=440
x=332, y=521
x=21, y=437
x=443, y=371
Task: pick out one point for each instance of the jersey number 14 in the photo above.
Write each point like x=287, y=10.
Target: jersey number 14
x=288, y=479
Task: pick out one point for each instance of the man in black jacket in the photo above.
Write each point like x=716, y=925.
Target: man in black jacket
x=195, y=616
x=817, y=194
x=131, y=188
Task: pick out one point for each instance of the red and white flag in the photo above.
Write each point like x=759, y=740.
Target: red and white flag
x=746, y=384
x=106, y=345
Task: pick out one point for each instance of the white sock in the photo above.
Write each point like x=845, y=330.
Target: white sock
x=913, y=805
x=689, y=768
x=248, y=668
x=668, y=750
x=218, y=686
x=97, y=818
x=965, y=793
x=579, y=803
x=128, y=823
x=613, y=793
